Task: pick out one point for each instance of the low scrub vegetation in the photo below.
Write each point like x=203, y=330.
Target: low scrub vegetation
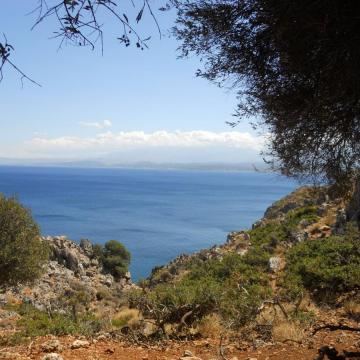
x=34, y=322
x=232, y=287
x=325, y=267
x=274, y=232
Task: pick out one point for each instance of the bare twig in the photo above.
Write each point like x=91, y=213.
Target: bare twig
x=78, y=21
x=5, y=52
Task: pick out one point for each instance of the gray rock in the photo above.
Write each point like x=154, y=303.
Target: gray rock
x=51, y=346
x=78, y=344
x=274, y=264
x=188, y=353
x=87, y=247
x=52, y=356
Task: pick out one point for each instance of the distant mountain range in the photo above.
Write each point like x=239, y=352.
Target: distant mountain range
x=206, y=166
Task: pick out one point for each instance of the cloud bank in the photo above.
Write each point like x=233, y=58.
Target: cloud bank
x=139, y=139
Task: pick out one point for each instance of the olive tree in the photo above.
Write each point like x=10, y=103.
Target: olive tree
x=296, y=67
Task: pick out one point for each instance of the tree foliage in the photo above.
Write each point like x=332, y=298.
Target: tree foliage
x=296, y=66
x=22, y=253
x=115, y=258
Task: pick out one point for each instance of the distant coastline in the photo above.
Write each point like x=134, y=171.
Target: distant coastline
x=146, y=165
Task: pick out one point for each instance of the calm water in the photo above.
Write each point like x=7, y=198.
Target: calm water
x=157, y=214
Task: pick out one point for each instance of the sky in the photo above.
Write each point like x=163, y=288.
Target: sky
x=125, y=104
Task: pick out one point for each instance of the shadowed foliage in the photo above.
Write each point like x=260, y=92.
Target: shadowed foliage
x=296, y=66
x=22, y=253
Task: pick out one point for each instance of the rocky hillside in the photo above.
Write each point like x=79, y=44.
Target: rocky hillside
x=73, y=269
x=329, y=218
x=288, y=288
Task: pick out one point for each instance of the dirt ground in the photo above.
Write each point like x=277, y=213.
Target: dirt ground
x=203, y=349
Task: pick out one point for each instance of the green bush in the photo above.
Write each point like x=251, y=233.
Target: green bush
x=22, y=253
x=230, y=287
x=115, y=258
x=326, y=267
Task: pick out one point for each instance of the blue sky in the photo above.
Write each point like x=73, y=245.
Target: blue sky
x=126, y=104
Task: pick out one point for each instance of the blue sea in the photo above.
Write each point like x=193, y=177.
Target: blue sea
x=157, y=214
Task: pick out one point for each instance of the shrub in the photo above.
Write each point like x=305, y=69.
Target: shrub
x=115, y=258
x=34, y=323
x=230, y=287
x=326, y=267
x=22, y=253
x=97, y=251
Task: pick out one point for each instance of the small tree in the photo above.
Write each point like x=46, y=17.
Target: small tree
x=22, y=253
x=115, y=258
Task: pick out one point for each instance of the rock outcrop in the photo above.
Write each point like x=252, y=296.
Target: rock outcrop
x=72, y=267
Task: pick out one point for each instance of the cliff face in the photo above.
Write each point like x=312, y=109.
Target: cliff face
x=72, y=269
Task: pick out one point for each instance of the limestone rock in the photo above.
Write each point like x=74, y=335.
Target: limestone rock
x=51, y=346
x=87, y=247
x=52, y=356
x=78, y=344
x=71, y=268
x=188, y=353
x=274, y=264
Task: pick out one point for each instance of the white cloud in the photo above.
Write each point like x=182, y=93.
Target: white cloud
x=109, y=141
x=97, y=125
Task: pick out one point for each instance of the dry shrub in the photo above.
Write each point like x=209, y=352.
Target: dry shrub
x=210, y=326
x=352, y=309
x=287, y=331
x=127, y=317
x=11, y=299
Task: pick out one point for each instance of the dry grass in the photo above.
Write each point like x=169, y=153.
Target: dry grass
x=287, y=331
x=11, y=299
x=126, y=316
x=210, y=326
x=352, y=309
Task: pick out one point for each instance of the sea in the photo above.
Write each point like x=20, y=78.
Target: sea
x=156, y=214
